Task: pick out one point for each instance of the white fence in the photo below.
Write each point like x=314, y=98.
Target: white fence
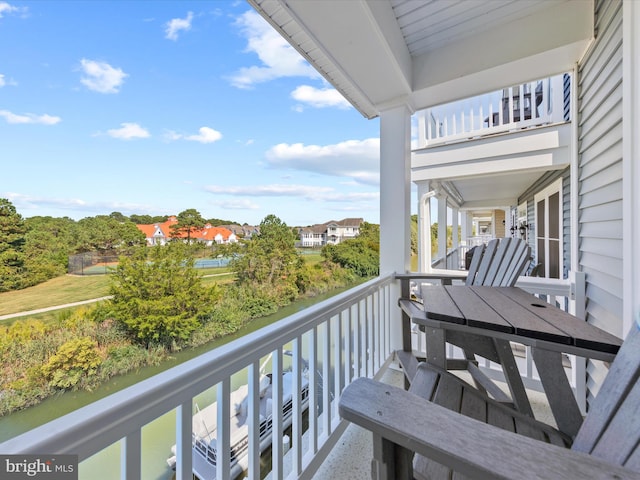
x=339, y=339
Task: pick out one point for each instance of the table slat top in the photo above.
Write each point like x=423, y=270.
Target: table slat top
x=512, y=310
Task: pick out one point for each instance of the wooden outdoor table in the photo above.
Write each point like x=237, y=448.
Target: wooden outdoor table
x=511, y=314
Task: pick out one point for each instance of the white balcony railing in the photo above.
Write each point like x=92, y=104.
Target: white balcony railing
x=532, y=104
x=340, y=339
x=344, y=337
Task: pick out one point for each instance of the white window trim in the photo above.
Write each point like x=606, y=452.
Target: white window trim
x=555, y=187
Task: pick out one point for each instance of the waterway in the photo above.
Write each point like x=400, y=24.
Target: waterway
x=159, y=435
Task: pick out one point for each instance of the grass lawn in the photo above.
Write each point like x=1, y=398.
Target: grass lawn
x=57, y=291
x=71, y=288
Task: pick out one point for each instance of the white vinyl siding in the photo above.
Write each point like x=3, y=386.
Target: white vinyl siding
x=600, y=176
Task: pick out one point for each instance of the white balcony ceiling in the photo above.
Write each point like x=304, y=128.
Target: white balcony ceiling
x=421, y=53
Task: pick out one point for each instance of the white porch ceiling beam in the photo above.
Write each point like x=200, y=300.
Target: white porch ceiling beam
x=491, y=203
x=541, y=162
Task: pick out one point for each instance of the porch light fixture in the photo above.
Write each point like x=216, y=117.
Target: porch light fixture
x=523, y=229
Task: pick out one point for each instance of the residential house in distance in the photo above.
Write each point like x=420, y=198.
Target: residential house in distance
x=332, y=232
x=242, y=231
x=160, y=233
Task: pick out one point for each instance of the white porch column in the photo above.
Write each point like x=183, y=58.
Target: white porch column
x=424, y=227
x=631, y=162
x=455, y=237
x=395, y=203
x=465, y=231
x=442, y=230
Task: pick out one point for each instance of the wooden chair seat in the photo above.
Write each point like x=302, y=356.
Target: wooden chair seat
x=455, y=431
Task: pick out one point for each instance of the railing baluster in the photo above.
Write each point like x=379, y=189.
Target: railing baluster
x=313, y=391
x=370, y=345
x=356, y=341
x=131, y=453
x=253, y=416
x=376, y=322
x=296, y=426
x=223, y=441
x=337, y=362
x=184, y=435
x=326, y=384
x=276, y=412
x=348, y=341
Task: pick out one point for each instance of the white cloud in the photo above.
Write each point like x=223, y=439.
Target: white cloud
x=175, y=25
x=308, y=192
x=238, y=204
x=320, y=97
x=44, y=119
x=128, y=131
x=355, y=159
x=101, y=77
x=30, y=202
x=5, y=82
x=7, y=9
x=205, y=135
x=277, y=57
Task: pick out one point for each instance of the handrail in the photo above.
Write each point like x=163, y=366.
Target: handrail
x=92, y=428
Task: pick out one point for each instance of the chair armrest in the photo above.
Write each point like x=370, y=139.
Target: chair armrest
x=466, y=445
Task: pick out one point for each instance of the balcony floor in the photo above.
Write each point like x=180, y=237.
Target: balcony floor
x=351, y=457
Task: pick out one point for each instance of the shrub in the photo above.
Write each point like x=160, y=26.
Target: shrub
x=74, y=360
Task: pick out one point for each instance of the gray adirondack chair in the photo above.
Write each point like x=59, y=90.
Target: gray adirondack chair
x=452, y=427
x=497, y=264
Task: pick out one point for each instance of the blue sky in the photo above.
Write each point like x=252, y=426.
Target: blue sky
x=153, y=107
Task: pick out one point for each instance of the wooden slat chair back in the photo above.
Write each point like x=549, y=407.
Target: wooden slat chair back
x=499, y=263
x=485, y=439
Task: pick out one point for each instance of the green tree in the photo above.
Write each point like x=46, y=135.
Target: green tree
x=119, y=217
x=361, y=254
x=270, y=262
x=159, y=297
x=48, y=243
x=147, y=219
x=12, y=238
x=106, y=234
x=189, y=221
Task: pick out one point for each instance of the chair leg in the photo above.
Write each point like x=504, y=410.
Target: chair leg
x=390, y=461
x=512, y=375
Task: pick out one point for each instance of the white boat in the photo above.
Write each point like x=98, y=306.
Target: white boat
x=205, y=426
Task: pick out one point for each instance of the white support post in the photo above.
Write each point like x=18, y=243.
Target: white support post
x=466, y=228
x=442, y=228
x=422, y=128
x=395, y=202
x=630, y=163
x=424, y=227
x=455, y=237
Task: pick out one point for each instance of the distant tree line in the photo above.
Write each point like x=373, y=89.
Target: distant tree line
x=159, y=305
x=36, y=249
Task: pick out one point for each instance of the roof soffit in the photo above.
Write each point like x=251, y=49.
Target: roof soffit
x=359, y=47
x=548, y=42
